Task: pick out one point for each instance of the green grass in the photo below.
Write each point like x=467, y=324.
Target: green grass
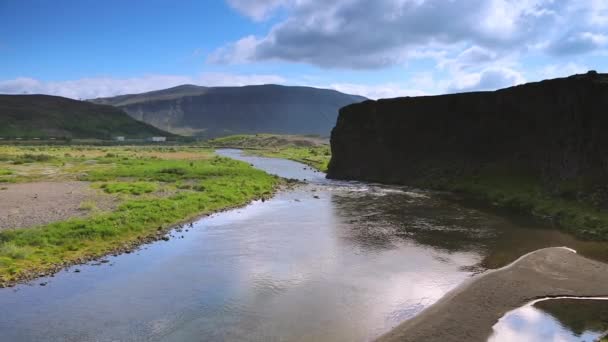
x=88, y=206
x=316, y=156
x=519, y=191
x=136, y=188
x=312, y=151
x=214, y=183
x=41, y=116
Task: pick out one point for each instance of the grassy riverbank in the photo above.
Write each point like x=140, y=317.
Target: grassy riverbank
x=309, y=150
x=154, y=188
x=576, y=206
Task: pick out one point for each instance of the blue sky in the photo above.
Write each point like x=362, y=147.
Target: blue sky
x=382, y=48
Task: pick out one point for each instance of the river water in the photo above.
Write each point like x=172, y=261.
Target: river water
x=563, y=320
x=327, y=261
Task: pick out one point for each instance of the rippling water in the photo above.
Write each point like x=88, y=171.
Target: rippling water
x=328, y=261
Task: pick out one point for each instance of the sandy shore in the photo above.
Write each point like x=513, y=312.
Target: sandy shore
x=30, y=204
x=469, y=312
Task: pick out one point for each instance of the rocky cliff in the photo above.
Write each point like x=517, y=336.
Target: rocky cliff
x=556, y=129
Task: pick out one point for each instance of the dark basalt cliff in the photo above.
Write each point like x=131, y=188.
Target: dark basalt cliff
x=555, y=129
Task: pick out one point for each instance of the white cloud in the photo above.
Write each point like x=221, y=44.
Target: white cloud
x=487, y=79
x=87, y=88
x=578, y=42
x=241, y=51
x=258, y=10
x=562, y=70
x=378, y=91
x=359, y=34
x=225, y=79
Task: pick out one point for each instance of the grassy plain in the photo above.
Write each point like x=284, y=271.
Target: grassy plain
x=157, y=189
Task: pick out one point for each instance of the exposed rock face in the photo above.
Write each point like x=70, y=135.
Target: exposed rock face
x=557, y=129
x=213, y=112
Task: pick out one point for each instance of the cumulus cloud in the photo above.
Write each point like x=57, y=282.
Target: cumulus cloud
x=87, y=88
x=578, y=42
x=562, y=70
x=258, y=10
x=361, y=34
x=488, y=79
x=376, y=91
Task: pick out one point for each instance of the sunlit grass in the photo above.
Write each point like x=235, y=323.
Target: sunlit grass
x=202, y=185
x=303, y=149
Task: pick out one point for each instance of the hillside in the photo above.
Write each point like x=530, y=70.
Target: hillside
x=539, y=148
x=219, y=111
x=43, y=116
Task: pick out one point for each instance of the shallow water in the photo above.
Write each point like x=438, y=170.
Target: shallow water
x=329, y=261
x=561, y=320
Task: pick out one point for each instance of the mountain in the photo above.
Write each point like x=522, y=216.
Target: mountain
x=218, y=111
x=540, y=148
x=44, y=116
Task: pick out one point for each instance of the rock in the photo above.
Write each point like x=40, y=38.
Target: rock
x=43, y=284
x=554, y=128
x=76, y=271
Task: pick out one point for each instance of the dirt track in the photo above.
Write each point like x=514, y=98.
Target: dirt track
x=469, y=312
x=31, y=204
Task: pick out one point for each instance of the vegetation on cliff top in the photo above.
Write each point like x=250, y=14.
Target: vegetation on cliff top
x=155, y=194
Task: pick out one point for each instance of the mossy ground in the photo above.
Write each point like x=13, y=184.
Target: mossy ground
x=153, y=197
x=568, y=205
x=309, y=150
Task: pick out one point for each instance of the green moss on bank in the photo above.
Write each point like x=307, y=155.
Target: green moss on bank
x=219, y=183
x=310, y=150
x=317, y=156
x=520, y=191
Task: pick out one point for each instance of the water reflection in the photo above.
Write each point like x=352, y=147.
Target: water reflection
x=328, y=261
x=554, y=320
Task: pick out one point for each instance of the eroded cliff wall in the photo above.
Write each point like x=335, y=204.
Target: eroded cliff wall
x=556, y=129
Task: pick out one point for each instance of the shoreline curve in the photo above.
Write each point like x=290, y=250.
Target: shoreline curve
x=468, y=312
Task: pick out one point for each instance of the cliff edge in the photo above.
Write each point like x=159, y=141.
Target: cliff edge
x=543, y=141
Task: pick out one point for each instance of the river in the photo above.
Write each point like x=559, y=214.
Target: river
x=326, y=261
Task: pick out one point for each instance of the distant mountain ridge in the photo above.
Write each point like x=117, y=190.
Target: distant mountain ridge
x=45, y=116
x=217, y=111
